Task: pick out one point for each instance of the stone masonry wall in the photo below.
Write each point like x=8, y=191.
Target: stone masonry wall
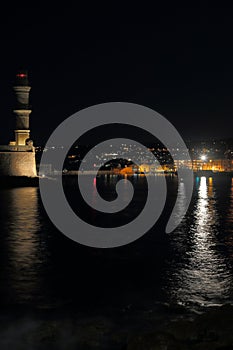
x=17, y=164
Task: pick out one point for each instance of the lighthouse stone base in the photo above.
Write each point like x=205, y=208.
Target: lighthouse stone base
x=17, y=161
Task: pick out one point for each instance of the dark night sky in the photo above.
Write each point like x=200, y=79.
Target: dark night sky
x=176, y=60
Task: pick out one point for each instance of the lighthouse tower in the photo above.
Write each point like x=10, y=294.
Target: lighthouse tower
x=22, y=109
x=18, y=158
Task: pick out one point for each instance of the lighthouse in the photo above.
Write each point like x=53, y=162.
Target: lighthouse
x=22, y=109
x=18, y=158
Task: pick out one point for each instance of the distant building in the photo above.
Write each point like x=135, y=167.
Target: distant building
x=215, y=165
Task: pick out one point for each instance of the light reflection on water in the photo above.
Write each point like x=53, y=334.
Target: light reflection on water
x=202, y=276
x=229, y=223
x=230, y=211
x=198, y=272
x=22, y=246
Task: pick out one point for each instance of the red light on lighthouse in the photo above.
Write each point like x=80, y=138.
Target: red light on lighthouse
x=21, y=75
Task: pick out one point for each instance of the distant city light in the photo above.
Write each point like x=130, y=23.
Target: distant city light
x=203, y=157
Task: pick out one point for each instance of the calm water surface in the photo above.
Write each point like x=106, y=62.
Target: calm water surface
x=193, y=266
